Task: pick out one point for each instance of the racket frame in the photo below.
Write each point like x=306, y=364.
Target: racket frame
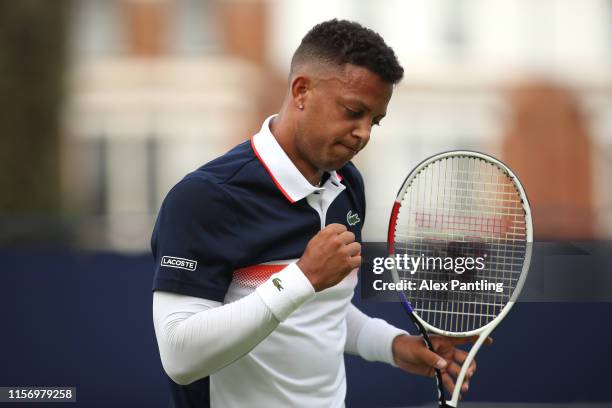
x=484, y=331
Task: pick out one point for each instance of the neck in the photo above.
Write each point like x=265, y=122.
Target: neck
x=284, y=132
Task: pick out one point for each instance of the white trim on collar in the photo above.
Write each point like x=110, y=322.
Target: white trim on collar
x=285, y=175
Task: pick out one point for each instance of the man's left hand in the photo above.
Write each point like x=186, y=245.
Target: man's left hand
x=412, y=355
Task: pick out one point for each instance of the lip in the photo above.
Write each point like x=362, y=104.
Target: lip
x=352, y=149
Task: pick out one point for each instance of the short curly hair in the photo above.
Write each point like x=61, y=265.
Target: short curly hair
x=342, y=42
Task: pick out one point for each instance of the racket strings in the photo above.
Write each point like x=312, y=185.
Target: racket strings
x=461, y=207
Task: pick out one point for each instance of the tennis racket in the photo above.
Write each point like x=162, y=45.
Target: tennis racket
x=452, y=206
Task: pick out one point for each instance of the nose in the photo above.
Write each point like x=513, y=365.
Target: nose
x=362, y=132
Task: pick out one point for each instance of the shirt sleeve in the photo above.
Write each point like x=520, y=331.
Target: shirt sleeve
x=194, y=241
x=370, y=338
x=197, y=337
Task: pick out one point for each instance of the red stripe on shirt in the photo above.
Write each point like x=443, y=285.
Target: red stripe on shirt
x=256, y=275
x=270, y=172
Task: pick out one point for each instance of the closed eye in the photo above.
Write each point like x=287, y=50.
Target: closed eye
x=357, y=114
x=353, y=114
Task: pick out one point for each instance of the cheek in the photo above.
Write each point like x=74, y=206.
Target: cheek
x=315, y=132
x=308, y=140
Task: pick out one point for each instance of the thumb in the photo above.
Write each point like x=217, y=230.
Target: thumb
x=432, y=359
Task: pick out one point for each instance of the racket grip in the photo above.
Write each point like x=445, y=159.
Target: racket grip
x=423, y=332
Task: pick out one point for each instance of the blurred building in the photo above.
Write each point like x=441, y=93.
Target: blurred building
x=159, y=87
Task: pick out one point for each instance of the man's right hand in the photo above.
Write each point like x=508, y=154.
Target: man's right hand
x=330, y=256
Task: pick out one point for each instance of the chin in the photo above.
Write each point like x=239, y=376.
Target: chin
x=335, y=165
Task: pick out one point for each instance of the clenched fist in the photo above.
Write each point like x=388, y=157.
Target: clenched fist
x=330, y=256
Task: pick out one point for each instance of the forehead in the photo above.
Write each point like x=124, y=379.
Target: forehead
x=362, y=85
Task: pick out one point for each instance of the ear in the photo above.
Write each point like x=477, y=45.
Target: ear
x=300, y=88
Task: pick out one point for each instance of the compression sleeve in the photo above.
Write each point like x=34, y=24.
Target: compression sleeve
x=197, y=336
x=369, y=337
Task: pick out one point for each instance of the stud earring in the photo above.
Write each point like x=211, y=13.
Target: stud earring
x=301, y=107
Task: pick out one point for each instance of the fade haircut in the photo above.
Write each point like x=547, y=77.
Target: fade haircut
x=340, y=42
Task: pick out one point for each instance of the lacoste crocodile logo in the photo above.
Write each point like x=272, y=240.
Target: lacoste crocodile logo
x=277, y=283
x=352, y=219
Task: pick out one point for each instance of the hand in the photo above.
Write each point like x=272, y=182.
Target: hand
x=330, y=256
x=412, y=355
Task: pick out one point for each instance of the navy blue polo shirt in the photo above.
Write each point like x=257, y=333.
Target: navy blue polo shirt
x=247, y=208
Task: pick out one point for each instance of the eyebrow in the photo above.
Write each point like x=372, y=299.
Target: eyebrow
x=363, y=106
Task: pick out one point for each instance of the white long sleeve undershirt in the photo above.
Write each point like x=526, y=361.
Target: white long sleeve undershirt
x=370, y=338
x=197, y=337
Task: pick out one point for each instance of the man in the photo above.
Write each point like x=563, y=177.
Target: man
x=257, y=252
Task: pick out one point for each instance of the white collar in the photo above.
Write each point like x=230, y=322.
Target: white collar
x=285, y=175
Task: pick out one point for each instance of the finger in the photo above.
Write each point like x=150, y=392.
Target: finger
x=469, y=340
x=346, y=237
x=453, y=369
x=334, y=229
x=448, y=383
x=432, y=359
x=463, y=340
x=472, y=368
x=353, y=248
x=460, y=356
x=354, y=262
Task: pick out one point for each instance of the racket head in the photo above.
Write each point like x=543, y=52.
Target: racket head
x=477, y=228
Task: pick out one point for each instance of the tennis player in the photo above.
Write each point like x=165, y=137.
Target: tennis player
x=257, y=252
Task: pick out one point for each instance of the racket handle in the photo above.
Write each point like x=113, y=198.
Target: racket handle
x=408, y=309
x=439, y=383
